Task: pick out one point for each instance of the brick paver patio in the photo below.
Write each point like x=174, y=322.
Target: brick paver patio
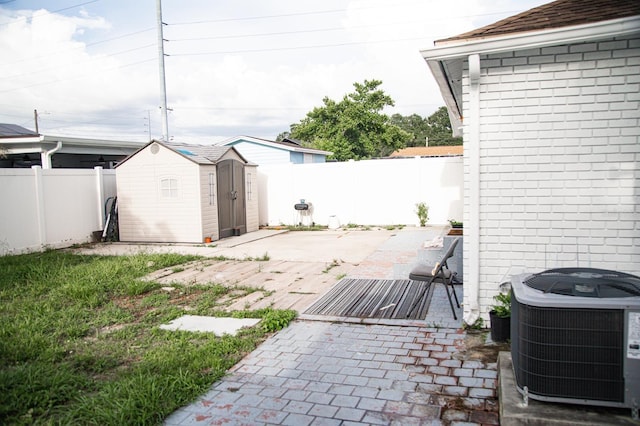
x=348, y=373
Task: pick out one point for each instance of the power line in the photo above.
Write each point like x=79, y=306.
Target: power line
x=75, y=64
x=318, y=46
x=55, y=11
x=77, y=77
x=58, y=52
x=252, y=18
x=286, y=15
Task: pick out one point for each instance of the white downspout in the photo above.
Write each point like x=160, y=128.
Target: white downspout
x=473, y=238
x=46, y=156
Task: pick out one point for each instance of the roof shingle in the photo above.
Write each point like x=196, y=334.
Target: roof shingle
x=13, y=130
x=558, y=14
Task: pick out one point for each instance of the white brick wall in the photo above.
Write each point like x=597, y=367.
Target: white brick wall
x=559, y=160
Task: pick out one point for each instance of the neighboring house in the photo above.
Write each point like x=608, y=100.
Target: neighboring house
x=171, y=192
x=549, y=101
x=264, y=152
x=429, y=151
x=22, y=148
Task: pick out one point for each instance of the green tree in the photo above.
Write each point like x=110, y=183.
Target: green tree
x=440, y=131
x=353, y=128
x=436, y=127
x=414, y=124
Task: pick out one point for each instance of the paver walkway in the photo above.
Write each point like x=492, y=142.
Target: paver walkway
x=348, y=373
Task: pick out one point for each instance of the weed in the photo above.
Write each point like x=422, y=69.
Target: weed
x=330, y=266
x=276, y=320
x=340, y=276
x=221, y=258
x=313, y=227
x=264, y=258
x=393, y=227
x=477, y=325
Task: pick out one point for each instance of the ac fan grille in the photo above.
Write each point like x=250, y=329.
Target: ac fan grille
x=570, y=353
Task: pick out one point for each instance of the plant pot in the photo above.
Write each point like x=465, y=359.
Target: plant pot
x=500, y=327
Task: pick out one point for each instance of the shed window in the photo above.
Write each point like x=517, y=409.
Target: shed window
x=212, y=189
x=169, y=188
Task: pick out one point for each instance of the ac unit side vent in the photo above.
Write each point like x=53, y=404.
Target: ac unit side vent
x=576, y=353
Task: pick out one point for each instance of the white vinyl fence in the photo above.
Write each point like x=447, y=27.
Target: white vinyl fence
x=370, y=192
x=61, y=207
x=53, y=207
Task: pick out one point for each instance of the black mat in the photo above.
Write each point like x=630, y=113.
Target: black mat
x=367, y=298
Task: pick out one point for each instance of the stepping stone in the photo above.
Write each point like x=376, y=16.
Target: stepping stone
x=215, y=325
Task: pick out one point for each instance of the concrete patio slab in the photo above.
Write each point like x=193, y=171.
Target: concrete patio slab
x=513, y=411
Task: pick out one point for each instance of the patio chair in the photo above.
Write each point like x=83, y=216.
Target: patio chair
x=438, y=273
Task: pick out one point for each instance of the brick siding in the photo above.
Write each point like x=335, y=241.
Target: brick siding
x=559, y=160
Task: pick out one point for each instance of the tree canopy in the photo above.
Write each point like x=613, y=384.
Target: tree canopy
x=436, y=127
x=353, y=128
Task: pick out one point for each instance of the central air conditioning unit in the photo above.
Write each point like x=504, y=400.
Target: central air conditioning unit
x=575, y=337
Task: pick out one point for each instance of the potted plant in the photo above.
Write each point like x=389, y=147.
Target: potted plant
x=455, y=224
x=500, y=317
x=422, y=210
x=456, y=227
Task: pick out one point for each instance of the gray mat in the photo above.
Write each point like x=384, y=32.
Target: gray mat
x=368, y=298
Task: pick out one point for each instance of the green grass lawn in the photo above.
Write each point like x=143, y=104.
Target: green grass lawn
x=80, y=343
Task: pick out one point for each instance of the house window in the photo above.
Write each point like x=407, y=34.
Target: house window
x=169, y=188
x=212, y=189
x=249, y=187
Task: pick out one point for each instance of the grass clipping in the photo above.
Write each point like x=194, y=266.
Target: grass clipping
x=80, y=343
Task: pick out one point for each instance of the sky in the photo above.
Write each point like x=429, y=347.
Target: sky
x=232, y=67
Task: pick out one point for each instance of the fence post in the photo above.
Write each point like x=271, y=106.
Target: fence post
x=100, y=196
x=40, y=207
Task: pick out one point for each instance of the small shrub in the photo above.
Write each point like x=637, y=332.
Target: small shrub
x=422, y=210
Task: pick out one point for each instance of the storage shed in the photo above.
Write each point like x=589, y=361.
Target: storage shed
x=173, y=192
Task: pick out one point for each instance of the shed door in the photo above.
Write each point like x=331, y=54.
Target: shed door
x=231, y=205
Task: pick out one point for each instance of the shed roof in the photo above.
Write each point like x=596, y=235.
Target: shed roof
x=13, y=130
x=429, y=151
x=287, y=144
x=199, y=154
x=558, y=14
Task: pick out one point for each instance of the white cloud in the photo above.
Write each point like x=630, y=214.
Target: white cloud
x=95, y=70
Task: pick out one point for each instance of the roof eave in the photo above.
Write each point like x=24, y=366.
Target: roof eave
x=92, y=142
x=22, y=139
x=459, y=49
x=535, y=39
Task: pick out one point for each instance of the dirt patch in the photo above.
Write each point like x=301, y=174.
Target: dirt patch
x=477, y=348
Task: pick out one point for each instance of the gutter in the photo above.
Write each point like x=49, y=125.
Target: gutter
x=46, y=156
x=472, y=292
